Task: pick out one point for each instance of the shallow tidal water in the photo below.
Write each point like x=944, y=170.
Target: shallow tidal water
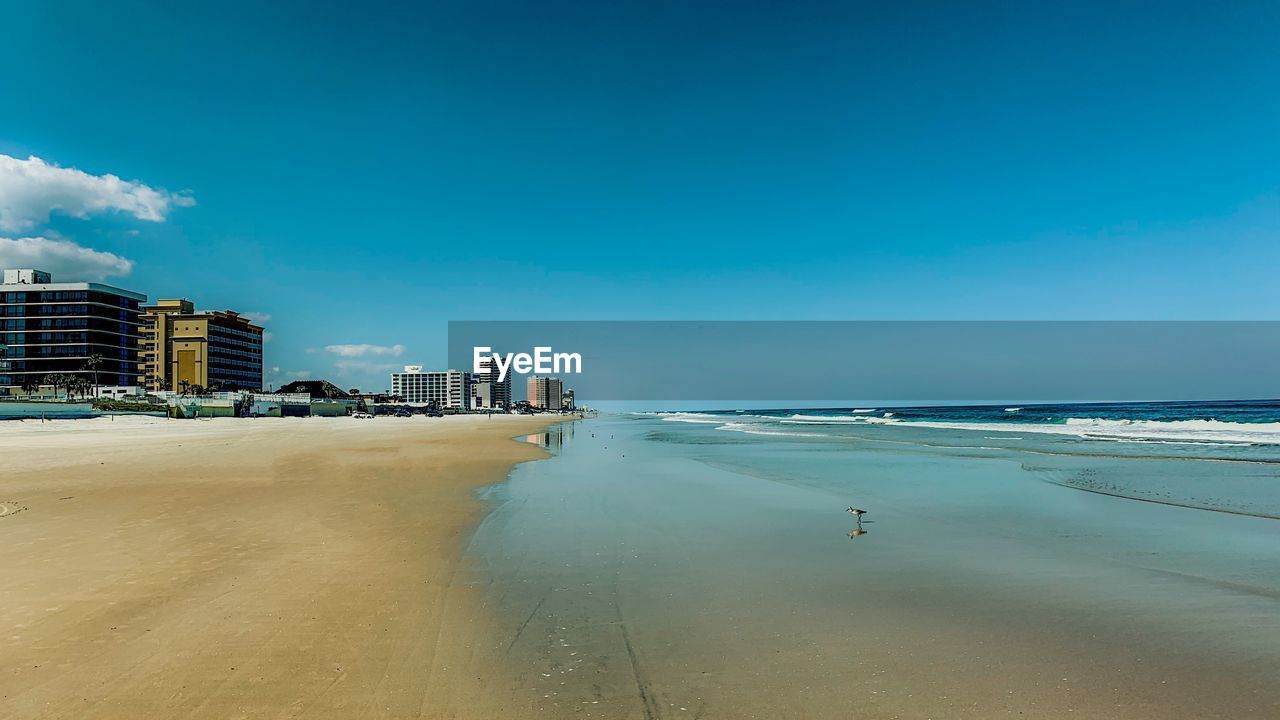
x=655, y=569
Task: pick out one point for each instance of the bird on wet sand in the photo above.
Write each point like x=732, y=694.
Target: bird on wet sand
x=856, y=512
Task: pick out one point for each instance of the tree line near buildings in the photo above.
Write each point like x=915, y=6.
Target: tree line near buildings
x=78, y=385
x=73, y=384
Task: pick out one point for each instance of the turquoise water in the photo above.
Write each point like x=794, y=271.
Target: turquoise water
x=661, y=562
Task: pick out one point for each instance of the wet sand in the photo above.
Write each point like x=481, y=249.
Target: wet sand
x=250, y=569
x=653, y=570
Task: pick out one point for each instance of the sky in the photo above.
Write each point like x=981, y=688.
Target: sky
x=357, y=175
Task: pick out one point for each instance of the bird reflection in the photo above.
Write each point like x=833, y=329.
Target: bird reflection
x=857, y=513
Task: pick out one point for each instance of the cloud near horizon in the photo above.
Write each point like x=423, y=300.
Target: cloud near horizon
x=64, y=259
x=352, y=367
x=32, y=189
x=277, y=373
x=363, y=349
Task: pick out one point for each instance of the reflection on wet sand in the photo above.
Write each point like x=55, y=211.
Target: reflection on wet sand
x=645, y=588
x=554, y=438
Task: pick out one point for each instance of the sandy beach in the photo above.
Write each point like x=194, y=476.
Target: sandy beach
x=249, y=568
x=341, y=568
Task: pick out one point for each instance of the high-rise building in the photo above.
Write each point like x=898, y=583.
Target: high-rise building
x=544, y=392
x=482, y=395
x=183, y=348
x=444, y=388
x=77, y=328
x=488, y=392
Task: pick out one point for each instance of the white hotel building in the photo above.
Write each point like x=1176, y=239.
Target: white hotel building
x=445, y=388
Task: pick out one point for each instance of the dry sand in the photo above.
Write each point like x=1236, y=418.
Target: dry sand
x=250, y=568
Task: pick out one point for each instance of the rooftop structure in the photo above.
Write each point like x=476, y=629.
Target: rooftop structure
x=316, y=390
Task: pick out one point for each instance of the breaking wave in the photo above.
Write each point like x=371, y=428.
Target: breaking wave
x=1203, y=431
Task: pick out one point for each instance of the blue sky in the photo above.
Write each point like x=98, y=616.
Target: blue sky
x=364, y=173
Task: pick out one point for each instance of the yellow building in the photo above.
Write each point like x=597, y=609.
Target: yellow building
x=184, y=349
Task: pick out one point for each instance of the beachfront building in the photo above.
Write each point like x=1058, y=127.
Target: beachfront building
x=566, y=401
x=546, y=393
x=443, y=388
x=78, y=329
x=119, y=392
x=324, y=398
x=488, y=392
x=481, y=395
x=184, y=349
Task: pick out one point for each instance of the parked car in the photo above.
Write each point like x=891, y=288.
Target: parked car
x=361, y=415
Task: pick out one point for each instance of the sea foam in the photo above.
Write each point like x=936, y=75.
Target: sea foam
x=1211, y=431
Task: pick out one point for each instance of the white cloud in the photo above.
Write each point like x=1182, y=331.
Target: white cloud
x=260, y=318
x=350, y=367
x=64, y=259
x=363, y=349
x=277, y=373
x=32, y=189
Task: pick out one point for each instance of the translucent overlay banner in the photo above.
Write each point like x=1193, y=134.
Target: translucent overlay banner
x=903, y=361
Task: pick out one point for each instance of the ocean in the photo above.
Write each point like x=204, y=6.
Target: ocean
x=1053, y=560
x=1216, y=424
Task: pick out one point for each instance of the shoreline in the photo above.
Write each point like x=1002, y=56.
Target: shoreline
x=251, y=568
x=652, y=570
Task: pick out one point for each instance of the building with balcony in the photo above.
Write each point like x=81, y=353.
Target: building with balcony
x=84, y=329
x=183, y=348
x=442, y=389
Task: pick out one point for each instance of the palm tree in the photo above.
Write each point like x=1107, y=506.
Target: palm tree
x=59, y=380
x=30, y=385
x=92, y=364
x=79, y=385
x=184, y=386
